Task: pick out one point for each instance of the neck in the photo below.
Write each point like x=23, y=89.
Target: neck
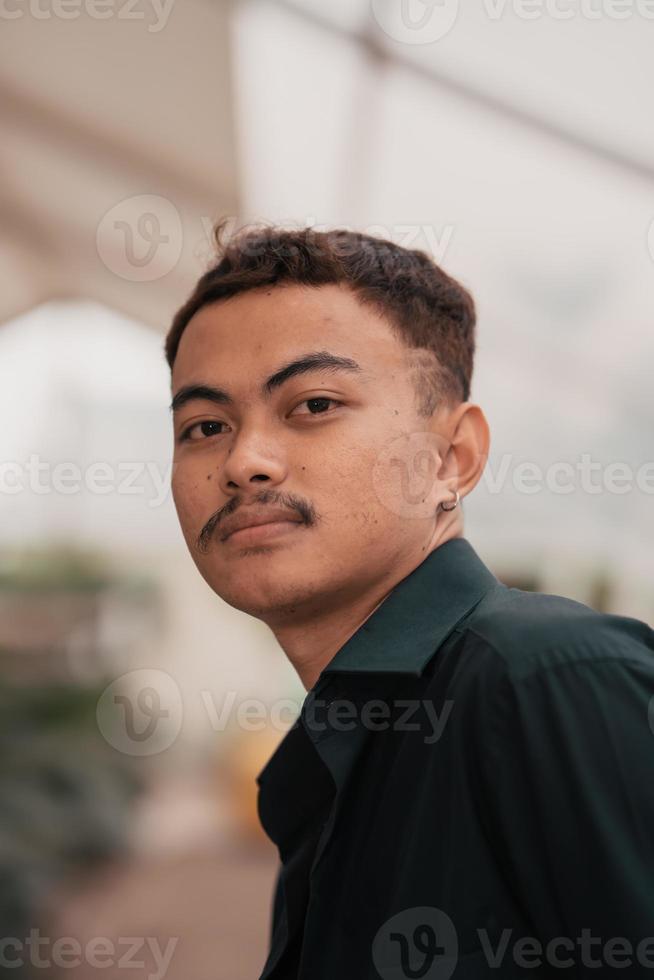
x=312, y=643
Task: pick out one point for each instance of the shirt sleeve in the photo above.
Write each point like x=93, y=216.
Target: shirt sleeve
x=566, y=756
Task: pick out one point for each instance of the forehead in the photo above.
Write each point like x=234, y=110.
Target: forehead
x=257, y=330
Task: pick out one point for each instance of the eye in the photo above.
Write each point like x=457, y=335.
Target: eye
x=207, y=423
x=317, y=406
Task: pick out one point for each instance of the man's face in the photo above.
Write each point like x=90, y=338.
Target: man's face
x=319, y=444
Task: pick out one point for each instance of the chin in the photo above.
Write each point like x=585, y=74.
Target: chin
x=267, y=591
x=248, y=586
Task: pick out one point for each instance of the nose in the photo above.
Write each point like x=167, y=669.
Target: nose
x=252, y=458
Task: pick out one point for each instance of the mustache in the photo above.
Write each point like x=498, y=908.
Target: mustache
x=290, y=502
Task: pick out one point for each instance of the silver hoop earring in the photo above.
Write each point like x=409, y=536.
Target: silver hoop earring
x=455, y=504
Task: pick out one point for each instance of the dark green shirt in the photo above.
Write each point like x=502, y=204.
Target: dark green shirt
x=469, y=791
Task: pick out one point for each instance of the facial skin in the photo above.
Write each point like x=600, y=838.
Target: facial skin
x=363, y=470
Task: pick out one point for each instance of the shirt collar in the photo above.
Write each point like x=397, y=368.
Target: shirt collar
x=400, y=637
x=412, y=622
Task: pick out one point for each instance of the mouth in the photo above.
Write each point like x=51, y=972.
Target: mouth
x=261, y=532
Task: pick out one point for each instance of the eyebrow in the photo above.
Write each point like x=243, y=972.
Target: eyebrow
x=314, y=361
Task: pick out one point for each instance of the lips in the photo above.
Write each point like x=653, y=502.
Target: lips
x=251, y=517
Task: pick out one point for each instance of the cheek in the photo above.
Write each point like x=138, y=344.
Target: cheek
x=191, y=494
x=349, y=491
x=348, y=474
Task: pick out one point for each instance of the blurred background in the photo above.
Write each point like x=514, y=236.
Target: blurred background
x=510, y=138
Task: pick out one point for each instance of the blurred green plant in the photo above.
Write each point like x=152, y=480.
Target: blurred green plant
x=62, y=567
x=65, y=795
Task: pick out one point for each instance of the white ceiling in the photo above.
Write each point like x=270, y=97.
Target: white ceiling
x=106, y=121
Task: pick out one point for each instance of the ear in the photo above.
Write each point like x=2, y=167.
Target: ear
x=467, y=432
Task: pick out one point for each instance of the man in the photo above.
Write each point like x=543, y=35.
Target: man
x=469, y=789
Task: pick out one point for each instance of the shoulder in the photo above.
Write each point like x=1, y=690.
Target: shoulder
x=529, y=664
x=521, y=660
x=524, y=633
x=533, y=668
